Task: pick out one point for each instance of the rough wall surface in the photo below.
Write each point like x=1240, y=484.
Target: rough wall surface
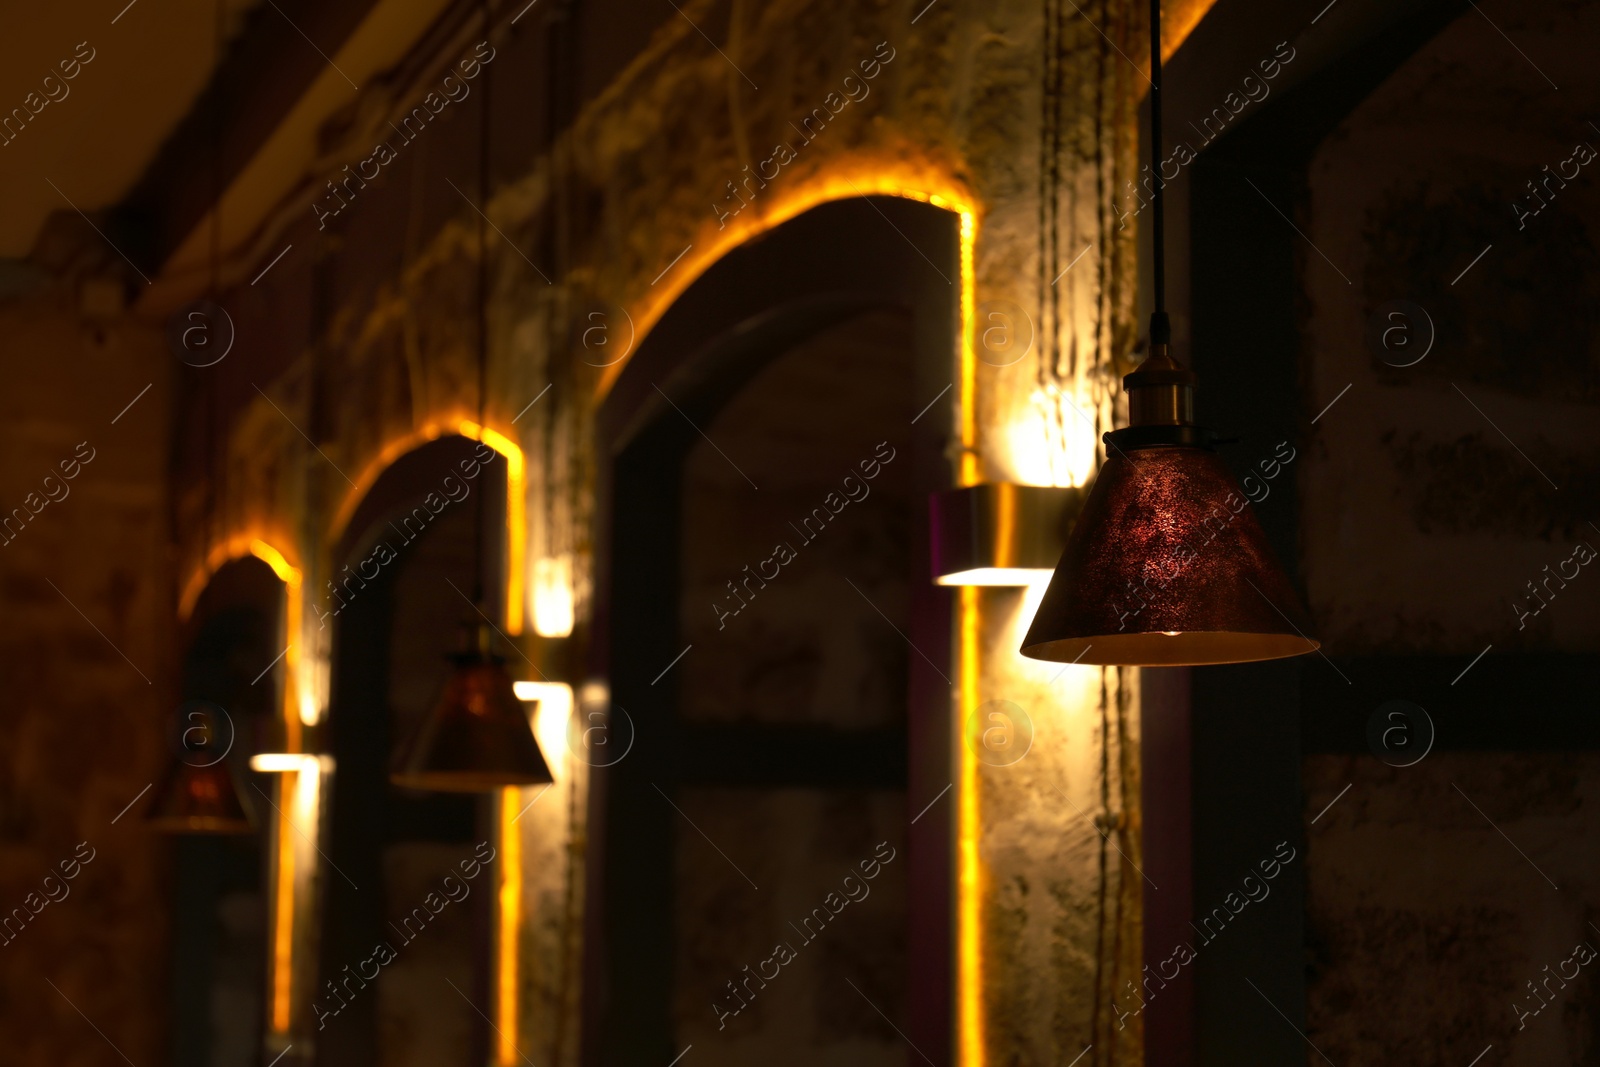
x=1442, y=486
x=1447, y=904
x=90, y=670
x=1443, y=897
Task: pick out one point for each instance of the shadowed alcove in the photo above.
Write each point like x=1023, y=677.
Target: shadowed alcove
x=219, y=925
x=778, y=648
x=406, y=577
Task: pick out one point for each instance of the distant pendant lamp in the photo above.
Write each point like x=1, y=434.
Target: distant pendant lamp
x=1167, y=564
x=478, y=737
x=198, y=793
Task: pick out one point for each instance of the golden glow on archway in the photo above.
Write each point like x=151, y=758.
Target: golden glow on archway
x=299, y=707
x=236, y=547
x=844, y=180
x=516, y=504
x=968, y=363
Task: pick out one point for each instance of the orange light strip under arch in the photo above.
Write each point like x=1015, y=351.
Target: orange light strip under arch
x=968, y=365
x=844, y=180
x=969, y=869
x=516, y=504
x=509, y=932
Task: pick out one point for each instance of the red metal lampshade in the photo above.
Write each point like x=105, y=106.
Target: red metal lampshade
x=199, y=800
x=199, y=793
x=477, y=737
x=1167, y=564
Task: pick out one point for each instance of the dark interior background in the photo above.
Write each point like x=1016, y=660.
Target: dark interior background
x=1388, y=156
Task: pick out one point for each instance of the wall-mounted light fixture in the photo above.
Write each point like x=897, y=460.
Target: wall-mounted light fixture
x=1000, y=534
x=552, y=714
x=290, y=762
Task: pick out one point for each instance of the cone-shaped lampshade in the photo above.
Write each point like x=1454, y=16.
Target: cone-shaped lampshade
x=199, y=800
x=198, y=793
x=1167, y=564
x=477, y=738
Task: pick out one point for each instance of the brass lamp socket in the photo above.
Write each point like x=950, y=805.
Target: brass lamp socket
x=1161, y=391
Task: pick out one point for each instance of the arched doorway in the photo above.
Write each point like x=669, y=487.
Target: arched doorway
x=787, y=685
x=219, y=913
x=407, y=565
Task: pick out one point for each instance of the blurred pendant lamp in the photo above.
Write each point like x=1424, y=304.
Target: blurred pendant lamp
x=1167, y=565
x=198, y=793
x=477, y=737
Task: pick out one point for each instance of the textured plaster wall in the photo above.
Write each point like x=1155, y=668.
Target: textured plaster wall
x=1433, y=494
x=1426, y=926
x=1439, y=490
x=89, y=666
x=807, y=651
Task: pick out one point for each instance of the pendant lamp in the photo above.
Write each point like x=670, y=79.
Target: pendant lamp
x=1167, y=564
x=198, y=793
x=477, y=737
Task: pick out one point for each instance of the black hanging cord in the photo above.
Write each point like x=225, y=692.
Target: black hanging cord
x=216, y=163
x=1160, y=327
x=216, y=465
x=217, y=128
x=483, y=305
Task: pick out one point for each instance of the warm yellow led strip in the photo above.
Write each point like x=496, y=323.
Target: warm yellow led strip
x=510, y=931
x=969, y=872
x=516, y=502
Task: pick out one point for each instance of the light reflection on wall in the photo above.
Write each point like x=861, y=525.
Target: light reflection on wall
x=1052, y=440
x=1038, y=429
x=552, y=596
x=969, y=864
x=294, y=878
